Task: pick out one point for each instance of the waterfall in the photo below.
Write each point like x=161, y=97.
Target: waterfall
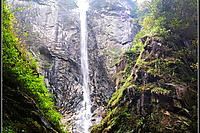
x=84, y=114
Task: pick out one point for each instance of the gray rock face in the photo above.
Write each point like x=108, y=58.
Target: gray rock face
x=52, y=35
x=110, y=22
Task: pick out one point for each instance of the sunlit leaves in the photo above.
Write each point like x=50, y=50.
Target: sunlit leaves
x=148, y=23
x=160, y=90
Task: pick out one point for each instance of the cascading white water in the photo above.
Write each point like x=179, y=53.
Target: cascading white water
x=84, y=114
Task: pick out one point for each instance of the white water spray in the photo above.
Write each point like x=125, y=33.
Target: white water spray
x=84, y=115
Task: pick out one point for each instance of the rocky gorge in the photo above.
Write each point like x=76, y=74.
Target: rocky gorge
x=114, y=67
x=52, y=35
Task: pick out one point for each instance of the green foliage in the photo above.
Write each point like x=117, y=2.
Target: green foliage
x=8, y=129
x=160, y=90
x=20, y=74
x=181, y=16
x=116, y=96
x=135, y=48
x=148, y=23
x=115, y=121
x=165, y=50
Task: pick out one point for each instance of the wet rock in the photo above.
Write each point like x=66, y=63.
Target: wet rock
x=93, y=108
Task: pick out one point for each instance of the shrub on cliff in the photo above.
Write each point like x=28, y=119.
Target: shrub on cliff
x=27, y=106
x=158, y=86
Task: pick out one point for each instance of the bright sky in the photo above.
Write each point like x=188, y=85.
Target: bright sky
x=83, y=4
x=140, y=1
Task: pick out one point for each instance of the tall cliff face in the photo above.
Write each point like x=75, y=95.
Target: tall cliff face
x=156, y=79
x=111, y=23
x=52, y=35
